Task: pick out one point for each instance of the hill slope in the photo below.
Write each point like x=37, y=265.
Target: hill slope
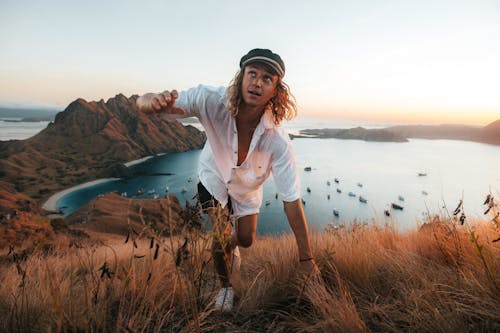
x=90, y=140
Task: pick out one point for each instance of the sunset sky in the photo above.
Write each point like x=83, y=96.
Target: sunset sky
x=403, y=61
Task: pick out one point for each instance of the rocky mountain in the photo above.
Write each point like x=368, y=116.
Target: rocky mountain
x=90, y=140
x=490, y=133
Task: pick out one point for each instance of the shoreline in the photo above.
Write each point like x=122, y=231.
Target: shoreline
x=140, y=160
x=51, y=204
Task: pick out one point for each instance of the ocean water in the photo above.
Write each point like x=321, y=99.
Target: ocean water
x=19, y=130
x=454, y=170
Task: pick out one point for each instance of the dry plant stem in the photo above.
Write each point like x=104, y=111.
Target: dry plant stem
x=221, y=246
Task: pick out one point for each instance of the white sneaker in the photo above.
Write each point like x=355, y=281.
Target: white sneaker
x=235, y=260
x=224, y=301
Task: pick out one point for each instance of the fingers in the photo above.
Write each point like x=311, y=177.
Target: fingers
x=165, y=102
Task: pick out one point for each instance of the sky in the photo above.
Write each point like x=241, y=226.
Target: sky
x=395, y=61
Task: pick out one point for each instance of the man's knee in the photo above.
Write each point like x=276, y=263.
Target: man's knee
x=245, y=241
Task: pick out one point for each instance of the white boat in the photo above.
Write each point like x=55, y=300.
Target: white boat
x=336, y=213
x=351, y=194
x=363, y=200
x=153, y=191
x=328, y=183
x=184, y=189
x=360, y=185
x=167, y=189
x=401, y=198
x=124, y=194
x=156, y=196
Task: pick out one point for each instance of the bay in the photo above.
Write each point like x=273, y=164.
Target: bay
x=454, y=170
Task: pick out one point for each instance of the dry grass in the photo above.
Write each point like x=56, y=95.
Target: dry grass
x=437, y=279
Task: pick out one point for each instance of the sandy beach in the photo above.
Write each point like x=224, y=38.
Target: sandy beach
x=50, y=204
x=134, y=162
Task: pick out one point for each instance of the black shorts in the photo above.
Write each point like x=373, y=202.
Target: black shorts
x=208, y=201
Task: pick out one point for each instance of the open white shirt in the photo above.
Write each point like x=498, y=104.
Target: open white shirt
x=270, y=151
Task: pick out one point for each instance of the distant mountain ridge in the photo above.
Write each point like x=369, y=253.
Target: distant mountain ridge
x=90, y=140
x=488, y=134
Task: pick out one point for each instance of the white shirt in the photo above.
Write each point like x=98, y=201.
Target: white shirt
x=270, y=151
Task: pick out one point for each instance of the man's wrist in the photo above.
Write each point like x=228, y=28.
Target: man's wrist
x=306, y=259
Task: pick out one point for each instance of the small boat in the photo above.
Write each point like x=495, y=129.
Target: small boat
x=184, y=190
x=422, y=174
x=336, y=213
x=425, y=193
x=167, y=189
x=276, y=196
x=363, y=200
x=339, y=190
x=152, y=191
x=328, y=183
x=307, y=168
x=156, y=196
x=268, y=202
x=308, y=190
x=328, y=196
x=190, y=180
x=396, y=206
x=387, y=213
x=360, y=185
x=401, y=198
x=140, y=191
x=124, y=194
x=336, y=180
x=351, y=194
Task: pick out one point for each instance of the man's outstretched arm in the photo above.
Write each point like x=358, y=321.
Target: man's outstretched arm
x=297, y=221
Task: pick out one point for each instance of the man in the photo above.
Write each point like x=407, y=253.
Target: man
x=245, y=144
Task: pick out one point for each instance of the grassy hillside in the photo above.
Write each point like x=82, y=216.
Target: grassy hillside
x=445, y=277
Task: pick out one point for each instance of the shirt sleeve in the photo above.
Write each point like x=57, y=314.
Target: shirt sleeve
x=284, y=171
x=195, y=101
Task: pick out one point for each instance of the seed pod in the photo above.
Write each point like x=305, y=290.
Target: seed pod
x=156, y=252
x=462, y=218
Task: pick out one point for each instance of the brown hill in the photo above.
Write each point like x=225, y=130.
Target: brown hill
x=490, y=133
x=114, y=214
x=90, y=140
x=22, y=225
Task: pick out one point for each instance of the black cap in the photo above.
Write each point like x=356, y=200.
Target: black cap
x=266, y=56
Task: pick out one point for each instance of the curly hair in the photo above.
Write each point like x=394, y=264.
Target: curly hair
x=282, y=104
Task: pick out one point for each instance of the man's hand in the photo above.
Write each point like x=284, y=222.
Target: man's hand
x=160, y=103
x=310, y=269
